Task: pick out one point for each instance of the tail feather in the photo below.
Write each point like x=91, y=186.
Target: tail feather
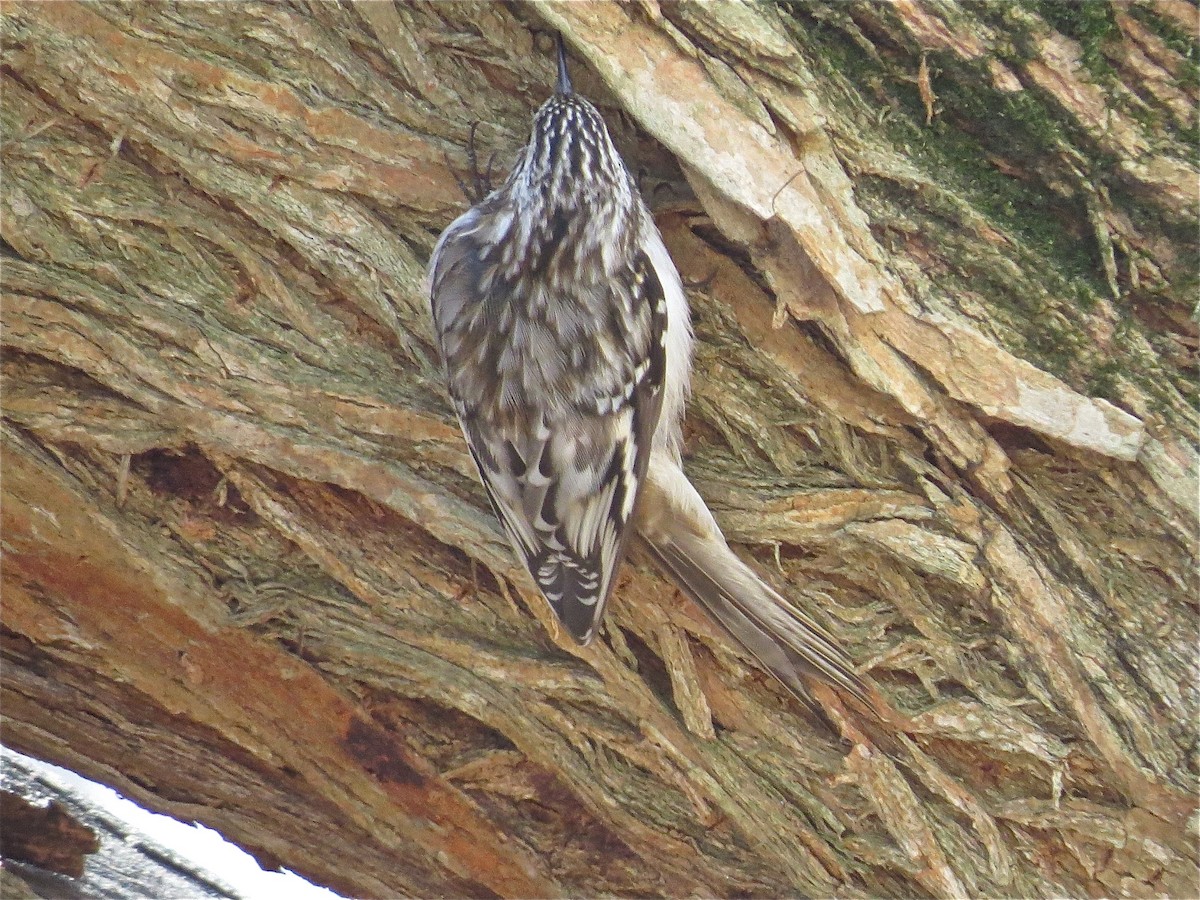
x=757, y=617
x=696, y=583
x=691, y=550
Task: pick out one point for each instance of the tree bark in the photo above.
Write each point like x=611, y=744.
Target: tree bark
x=941, y=258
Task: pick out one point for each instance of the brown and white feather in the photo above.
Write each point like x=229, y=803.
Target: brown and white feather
x=566, y=337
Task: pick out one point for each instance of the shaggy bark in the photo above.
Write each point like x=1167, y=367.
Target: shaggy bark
x=940, y=256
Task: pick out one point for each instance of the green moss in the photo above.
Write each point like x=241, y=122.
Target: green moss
x=1187, y=46
x=1105, y=378
x=1092, y=24
x=1017, y=128
x=1180, y=40
x=1089, y=22
x=1000, y=154
x=1149, y=219
x=975, y=122
x=834, y=43
x=1190, y=134
x=1017, y=32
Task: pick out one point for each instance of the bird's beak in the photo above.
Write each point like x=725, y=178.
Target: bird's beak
x=564, y=77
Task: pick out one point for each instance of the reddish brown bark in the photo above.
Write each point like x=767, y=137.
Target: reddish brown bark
x=942, y=399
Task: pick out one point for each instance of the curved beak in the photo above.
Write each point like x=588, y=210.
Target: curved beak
x=564, y=77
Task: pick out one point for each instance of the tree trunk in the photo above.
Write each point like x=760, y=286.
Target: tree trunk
x=940, y=257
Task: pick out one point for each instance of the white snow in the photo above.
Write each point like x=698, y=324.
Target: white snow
x=226, y=864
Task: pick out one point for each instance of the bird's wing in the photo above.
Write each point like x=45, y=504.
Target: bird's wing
x=565, y=497
x=563, y=476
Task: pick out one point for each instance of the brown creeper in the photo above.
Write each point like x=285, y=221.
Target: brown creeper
x=567, y=342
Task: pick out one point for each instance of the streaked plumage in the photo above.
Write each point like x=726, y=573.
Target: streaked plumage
x=567, y=342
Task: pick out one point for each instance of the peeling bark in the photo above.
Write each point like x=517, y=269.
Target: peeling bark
x=941, y=257
x=46, y=836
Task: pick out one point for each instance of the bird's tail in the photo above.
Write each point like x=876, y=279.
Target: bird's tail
x=681, y=537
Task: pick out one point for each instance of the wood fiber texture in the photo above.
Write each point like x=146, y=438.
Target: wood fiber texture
x=941, y=257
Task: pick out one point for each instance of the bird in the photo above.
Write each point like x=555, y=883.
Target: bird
x=565, y=335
